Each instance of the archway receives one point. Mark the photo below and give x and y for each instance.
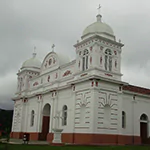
(45, 121)
(144, 128)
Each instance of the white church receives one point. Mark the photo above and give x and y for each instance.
(85, 98)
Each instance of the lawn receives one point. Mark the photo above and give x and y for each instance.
(34, 147)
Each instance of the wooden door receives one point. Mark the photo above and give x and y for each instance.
(45, 128)
(143, 128)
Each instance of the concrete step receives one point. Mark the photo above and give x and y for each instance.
(20, 141)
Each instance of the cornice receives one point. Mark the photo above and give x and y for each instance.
(136, 94)
(102, 38)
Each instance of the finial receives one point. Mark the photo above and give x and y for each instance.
(99, 9)
(53, 46)
(99, 16)
(119, 40)
(77, 41)
(34, 52)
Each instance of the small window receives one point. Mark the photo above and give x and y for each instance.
(50, 61)
(144, 117)
(123, 119)
(85, 60)
(64, 115)
(108, 60)
(32, 118)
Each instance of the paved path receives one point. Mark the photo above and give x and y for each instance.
(20, 141)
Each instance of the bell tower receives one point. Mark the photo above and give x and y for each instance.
(98, 50)
(30, 69)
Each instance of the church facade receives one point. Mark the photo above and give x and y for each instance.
(86, 97)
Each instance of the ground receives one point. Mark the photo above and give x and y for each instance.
(34, 147)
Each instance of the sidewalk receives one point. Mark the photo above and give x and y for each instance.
(20, 141)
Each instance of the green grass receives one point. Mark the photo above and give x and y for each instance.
(35, 147)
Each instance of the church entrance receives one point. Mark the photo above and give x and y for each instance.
(144, 128)
(45, 122)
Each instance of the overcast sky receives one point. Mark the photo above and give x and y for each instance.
(28, 23)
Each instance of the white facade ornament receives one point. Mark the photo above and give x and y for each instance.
(99, 9)
(56, 129)
(53, 46)
(34, 52)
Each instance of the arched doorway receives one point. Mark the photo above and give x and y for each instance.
(45, 122)
(144, 128)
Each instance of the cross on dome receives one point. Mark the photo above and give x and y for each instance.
(99, 16)
(34, 52)
(53, 46)
(99, 8)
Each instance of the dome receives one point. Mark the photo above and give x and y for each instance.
(32, 63)
(98, 28)
(63, 59)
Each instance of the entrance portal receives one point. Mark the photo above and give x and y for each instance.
(45, 122)
(144, 128)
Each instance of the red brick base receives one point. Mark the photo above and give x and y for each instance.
(95, 139)
(16, 135)
(34, 136)
(86, 139)
(19, 135)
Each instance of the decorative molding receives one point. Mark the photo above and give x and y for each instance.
(82, 75)
(107, 74)
(56, 75)
(73, 88)
(91, 48)
(79, 64)
(66, 73)
(54, 93)
(48, 78)
(35, 83)
(91, 60)
(115, 63)
(81, 127)
(106, 128)
(101, 60)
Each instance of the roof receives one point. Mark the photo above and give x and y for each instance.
(32, 63)
(99, 28)
(136, 89)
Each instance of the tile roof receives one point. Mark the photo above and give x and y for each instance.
(136, 89)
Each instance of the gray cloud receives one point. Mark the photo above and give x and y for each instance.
(40, 23)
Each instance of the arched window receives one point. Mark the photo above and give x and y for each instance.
(123, 119)
(108, 60)
(64, 115)
(144, 117)
(50, 61)
(85, 60)
(32, 118)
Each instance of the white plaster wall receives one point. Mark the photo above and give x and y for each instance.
(106, 94)
(84, 108)
(134, 109)
(66, 97)
(28, 107)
